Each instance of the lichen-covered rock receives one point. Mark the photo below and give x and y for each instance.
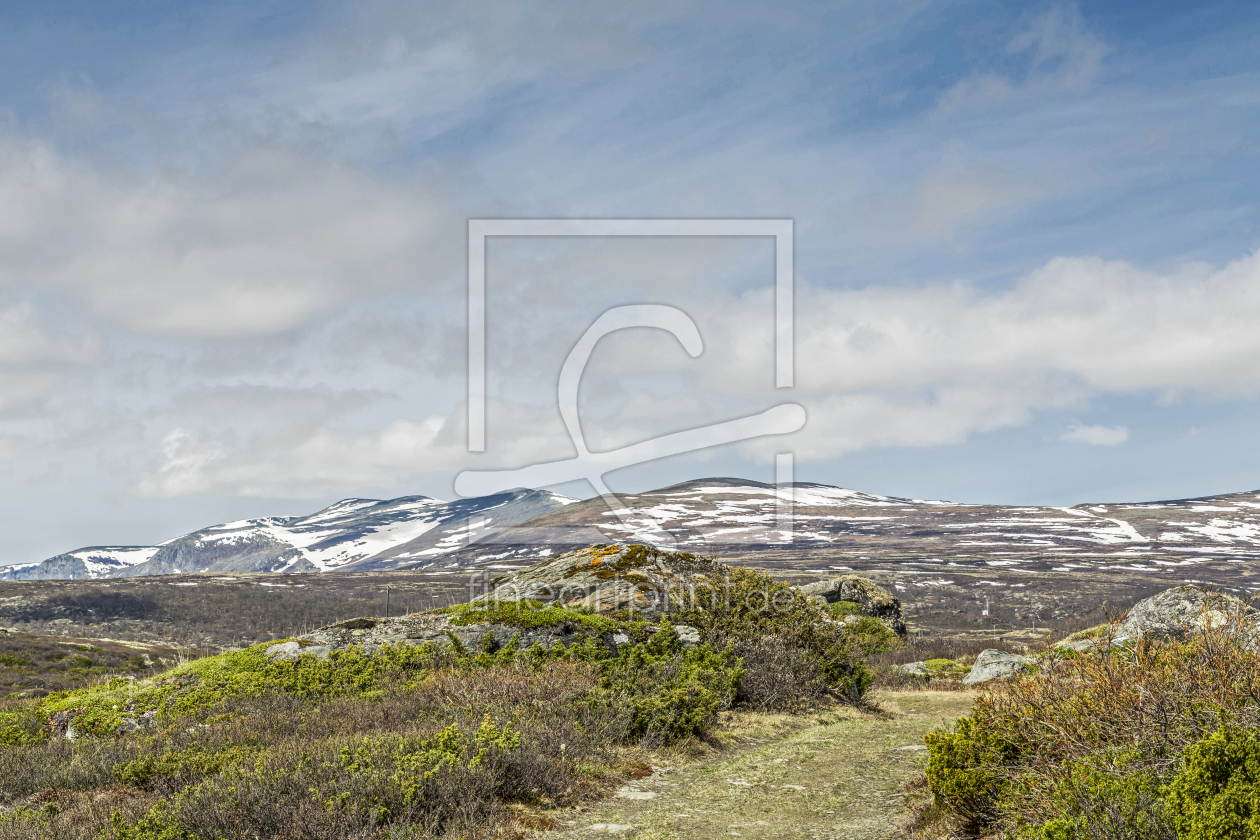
(608, 579)
(913, 669)
(875, 601)
(1176, 612)
(687, 635)
(997, 665)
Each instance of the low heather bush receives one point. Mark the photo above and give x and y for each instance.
(1087, 745)
(747, 606)
(778, 675)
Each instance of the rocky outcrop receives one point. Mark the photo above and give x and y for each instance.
(604, 579)
(876, 601)
(609, 578)
(371, 634)
(997, 665)
(1080, 645)
(1175, 613)
(374, 633)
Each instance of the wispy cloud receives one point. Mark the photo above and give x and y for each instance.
(1058, 53)
(1095, 435)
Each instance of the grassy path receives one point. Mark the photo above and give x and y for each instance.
(838, 775)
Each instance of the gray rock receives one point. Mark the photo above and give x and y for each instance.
(135, 724)
(687, 634)
(913, 669)
(1079, 645)
(285, 650)
(997, 665)
(876, 601)
(1174, 613)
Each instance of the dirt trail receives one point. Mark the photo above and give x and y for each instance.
(835, 777)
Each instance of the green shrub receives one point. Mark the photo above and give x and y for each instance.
(197, 688)
(963, 771)
(672, 691)
(1105, 800)
(748, 605)
(946, 669)
(1216, 796)
(840, 609)
(22, 727)
(1096, 632)
(870, 636)
(340, 788)
(194, 762)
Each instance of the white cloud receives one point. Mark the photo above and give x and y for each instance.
(1095, 435)
(1108, 325)
(259, 246)
(877, 367)
(34, 357)
(327, 461)
(929, 365)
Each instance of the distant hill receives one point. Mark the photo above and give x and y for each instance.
(352, 535)
(732, 518)
(736, 518)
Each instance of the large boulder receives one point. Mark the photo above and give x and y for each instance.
(610, 578)
(875, 601)
(994, 664)
(1177, 612)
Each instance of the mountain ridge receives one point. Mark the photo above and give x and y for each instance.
(349, 535)
(731, 517)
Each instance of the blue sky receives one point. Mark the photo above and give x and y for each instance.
(232, 247)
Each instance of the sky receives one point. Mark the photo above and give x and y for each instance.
(233, 243)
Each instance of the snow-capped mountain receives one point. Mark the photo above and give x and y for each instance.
(353, 534)
(735, 518)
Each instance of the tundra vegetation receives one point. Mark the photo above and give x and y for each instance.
(1126, 737)
(34, 665)
(428, 740)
